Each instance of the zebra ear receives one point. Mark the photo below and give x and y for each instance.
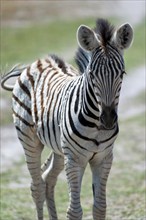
(123, 36)
(86, 38)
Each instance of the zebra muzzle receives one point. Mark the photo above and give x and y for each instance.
(108, 118)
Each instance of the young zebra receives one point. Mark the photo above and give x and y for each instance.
(74, 113)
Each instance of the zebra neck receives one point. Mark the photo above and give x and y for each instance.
(90, 105)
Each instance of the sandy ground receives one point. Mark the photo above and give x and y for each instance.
(133, 84)
(11, 149)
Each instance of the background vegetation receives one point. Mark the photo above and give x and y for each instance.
(58, 37)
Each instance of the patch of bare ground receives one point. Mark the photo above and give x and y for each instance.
(21, 13)
(133, 84)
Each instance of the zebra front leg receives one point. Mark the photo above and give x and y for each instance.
(100, 174)
(74, 173)
(33, 149)
(50, 177)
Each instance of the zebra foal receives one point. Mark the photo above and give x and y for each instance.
(75, 113)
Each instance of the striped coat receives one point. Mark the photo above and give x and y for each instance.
(74, 113)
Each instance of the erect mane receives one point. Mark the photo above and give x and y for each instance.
(104, 30)
(60, 62)
(82, 59)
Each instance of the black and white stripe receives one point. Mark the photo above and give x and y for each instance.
(75, 114)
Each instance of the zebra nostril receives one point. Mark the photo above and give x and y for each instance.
(103, 117)
(113, 115)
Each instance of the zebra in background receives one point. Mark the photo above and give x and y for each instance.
(73, 112)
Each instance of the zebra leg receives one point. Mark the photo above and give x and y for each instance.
(46, 164)
(50, 177)
(100, 174)
(74, 172)
(33, 149)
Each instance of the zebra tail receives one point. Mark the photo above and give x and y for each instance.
(14, 72)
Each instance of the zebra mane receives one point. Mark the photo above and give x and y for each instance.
(104, 30)
(82, 59)
(60, 62)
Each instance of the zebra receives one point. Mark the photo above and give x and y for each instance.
(75, 113)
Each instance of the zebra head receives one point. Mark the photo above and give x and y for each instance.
(101, 58)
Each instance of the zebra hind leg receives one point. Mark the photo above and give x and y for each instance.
(33, 149)
(55, 166)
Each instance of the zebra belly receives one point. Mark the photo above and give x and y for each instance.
(49, 135)
(83, 150)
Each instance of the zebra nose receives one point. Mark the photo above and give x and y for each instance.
(108, 118)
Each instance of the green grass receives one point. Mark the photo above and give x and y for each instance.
(125, 188)
(23, 45)
(136, 55)
(28, 43)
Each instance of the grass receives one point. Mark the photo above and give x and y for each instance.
(28, 43)
(136, 54)
(140, 98)
(125, 189)
(127, 180)
(23, 45)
